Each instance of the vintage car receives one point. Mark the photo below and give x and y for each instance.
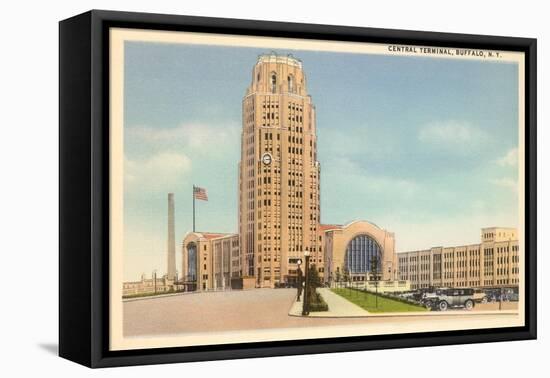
(442, 299)
(497, 295)
(480, 296)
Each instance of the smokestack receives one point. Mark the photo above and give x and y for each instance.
(171, 239)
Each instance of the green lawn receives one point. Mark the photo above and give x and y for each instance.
(368, 301)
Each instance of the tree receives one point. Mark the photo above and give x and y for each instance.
(345, 278)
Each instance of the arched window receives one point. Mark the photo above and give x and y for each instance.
(290, 80)
(360, 253)
(273, 82)
(191, 262)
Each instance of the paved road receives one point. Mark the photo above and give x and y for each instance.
(496, 306)
(227, 311)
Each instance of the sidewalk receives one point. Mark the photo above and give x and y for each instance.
(339, 307)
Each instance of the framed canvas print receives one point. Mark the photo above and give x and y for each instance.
(234, 188)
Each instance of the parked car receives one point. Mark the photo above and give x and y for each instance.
(442, 299)
(480, 296)
(513, 297)
(420, 293)
(510, 294)
(409, 295)
(495, 295)
(428, 297)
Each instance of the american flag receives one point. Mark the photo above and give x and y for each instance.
(200, 193)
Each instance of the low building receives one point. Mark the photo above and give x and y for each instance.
(389, 286)
(349, 251)
(492, 263)
(148, 286)
(211, 261)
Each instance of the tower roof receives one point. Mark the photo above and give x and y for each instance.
(273, 57)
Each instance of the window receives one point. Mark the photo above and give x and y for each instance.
(273, 82)
(191, 262)
(360, 252)
(290, 80)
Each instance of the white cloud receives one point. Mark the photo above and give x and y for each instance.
(452, 133)
(346, 172)
(506, 182)
(510, 159)
(160, 172)
(158, 159)
(193, 138)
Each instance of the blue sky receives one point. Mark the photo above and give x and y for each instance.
(424, 147)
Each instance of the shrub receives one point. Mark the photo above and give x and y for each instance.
(319, 304)
(315, 301)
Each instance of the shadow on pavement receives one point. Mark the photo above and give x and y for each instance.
(52, 348)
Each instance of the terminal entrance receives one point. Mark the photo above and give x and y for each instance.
(363, 259)
(190, 277)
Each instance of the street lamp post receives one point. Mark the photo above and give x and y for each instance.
(299, 280)
(305, 307)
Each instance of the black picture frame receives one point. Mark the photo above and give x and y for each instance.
(84, 188)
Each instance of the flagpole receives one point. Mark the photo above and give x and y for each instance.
(193, 208)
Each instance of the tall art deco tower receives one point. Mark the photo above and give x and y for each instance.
(279, 192)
